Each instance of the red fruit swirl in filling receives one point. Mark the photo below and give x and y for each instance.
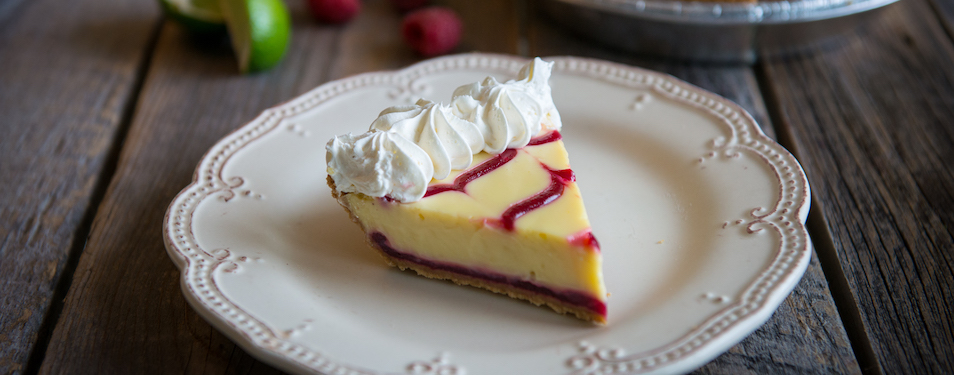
(465, 178)
(558, 181)
(584, 238)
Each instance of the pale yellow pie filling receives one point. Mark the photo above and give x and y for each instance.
(462, 228)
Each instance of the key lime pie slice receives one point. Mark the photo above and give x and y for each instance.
(478, 192)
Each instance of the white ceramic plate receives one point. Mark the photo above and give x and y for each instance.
(700, 217)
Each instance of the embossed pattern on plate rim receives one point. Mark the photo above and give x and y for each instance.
(757, 303)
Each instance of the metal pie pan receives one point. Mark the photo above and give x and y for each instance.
(712, 31)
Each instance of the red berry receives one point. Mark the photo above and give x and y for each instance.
(404, 6)
(334, 11)
(432, 31)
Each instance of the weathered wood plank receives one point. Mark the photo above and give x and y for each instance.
(871, 122)
(945, 10)
(125, 312)
(374, 42)
(736, 83)
(489, 26)
(805, 335)
(69, 71)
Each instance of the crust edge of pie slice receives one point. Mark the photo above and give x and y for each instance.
(512, 223)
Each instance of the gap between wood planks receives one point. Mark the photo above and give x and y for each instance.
(35, 360)
(940, 8)
(817, 227)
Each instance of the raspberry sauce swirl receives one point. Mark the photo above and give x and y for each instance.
(558, 181)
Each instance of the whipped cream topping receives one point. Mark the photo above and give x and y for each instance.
(510, 113)
(407, 146)
(448, 140)
(379, 164)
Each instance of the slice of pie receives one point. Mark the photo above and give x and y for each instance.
(510, 221)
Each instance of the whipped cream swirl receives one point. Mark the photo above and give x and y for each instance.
(379, 164)
(510, 113)
(448, 140)
(407, 146)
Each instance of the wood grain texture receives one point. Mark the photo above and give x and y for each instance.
(125, 312)
(945, 11)
(67, 74)
(805, 335)
(871, 122)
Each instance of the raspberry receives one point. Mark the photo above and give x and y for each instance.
(432, 31)
(404, 6)
(334, 11)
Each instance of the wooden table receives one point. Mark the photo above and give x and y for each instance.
(106, 107)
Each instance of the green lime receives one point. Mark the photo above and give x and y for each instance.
(260, 31)
(199, 16)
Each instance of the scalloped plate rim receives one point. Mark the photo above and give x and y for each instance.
(268, 350)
